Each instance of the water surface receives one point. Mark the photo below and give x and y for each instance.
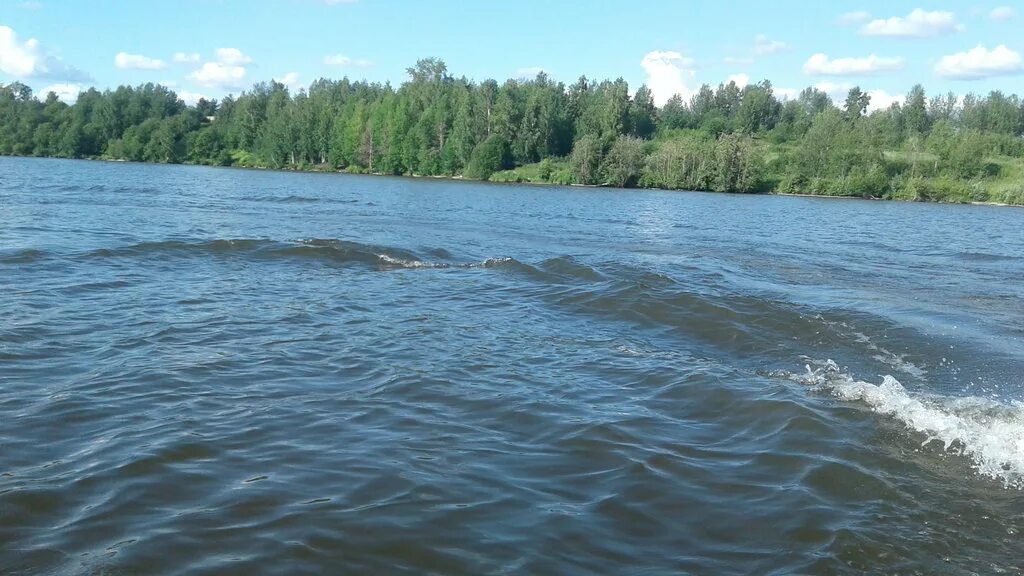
(215, 371)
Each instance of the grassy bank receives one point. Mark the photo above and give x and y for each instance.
(1005, 185)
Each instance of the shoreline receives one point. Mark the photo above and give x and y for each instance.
(460, 178)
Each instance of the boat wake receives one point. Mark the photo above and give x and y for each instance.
(989, 433)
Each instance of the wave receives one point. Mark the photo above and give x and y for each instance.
(326, 250)
(568, 266)
(24, 256)
(100, 189)
(283, 199)
(985, 257)
(178, 246)
(553, 270)
(989, 433)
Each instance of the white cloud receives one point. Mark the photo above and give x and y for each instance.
(837, 92)
(217, 75)
(18, 59)
(821, 65)
(291, 80)
(186, 57)
(882, 100)
(67, 93)
(226, 71)
(667, 74)
(337, 2)
(342, 60)
(764, 46)
(1001, 14)
(191, 98)
(30, 5)
(917, 24)
(127, 61)
(979, 62)
(27, 60)
(858, 17)
(740, 79)
(786, 93)
(232, 57)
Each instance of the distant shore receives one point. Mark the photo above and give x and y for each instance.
(461, 178)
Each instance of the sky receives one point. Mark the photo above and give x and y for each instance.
(210, 48)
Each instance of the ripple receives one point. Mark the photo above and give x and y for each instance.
(218, 374)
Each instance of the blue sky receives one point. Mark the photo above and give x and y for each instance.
(215, 47)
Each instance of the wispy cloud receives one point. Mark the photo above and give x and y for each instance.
(186, 57)
(918, 24)
(1001, 14)
(343, 60)
(764, 45)
(126, 61)
(821, 65)
(851, 18)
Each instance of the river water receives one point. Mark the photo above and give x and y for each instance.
(218, 371)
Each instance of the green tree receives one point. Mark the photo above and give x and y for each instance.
(490, 156)
(624, 163)
(856, 103)
(587, 154)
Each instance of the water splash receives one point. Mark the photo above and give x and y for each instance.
(990, 433)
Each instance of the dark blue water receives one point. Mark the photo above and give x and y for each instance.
(213, 371)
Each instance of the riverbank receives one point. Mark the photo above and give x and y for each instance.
(527, 175)
(531, 174)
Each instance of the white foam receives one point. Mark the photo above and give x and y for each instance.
(990, 433)
(392, 261)
(409, 263)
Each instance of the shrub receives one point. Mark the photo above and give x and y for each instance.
(1013, 195)
(545, 170)
(624, 162)
(585, 159)
(489, 156)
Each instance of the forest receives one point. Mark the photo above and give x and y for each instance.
(726, 138)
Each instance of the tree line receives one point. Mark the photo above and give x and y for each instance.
(729, 138)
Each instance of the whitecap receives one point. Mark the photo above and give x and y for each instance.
(988, 432)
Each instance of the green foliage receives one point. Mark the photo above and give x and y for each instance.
(739, 165)
(687, 162)
(509, 176)
(585, 160)
(546, 169)
(624, 162)
(488, 157)
(724, 138)
(1010, 196)
(941, 189)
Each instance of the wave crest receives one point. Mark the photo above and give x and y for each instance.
(990, 433)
